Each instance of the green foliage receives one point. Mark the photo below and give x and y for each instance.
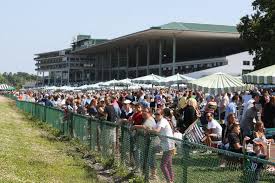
(258, 30)
(17, 79)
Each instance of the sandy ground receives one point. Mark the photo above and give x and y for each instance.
(4, 99)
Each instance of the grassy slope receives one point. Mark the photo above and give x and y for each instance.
(26, 156)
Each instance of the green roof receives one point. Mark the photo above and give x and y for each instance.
(197, 27)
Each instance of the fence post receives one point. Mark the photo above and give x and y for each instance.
(70, 124)
(45, 114)
(185, 158)
(146, 157)
(251, 169)
(90, 132)
(122, 149)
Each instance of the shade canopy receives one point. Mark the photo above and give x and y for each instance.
(109, 83)
(265, 76)
(95, 86)
(5, 87)
(149, 79)
(217, 83)
(122, 82)
(177, 79)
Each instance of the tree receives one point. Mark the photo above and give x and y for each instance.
(2, 79)
(17, 79)
(258, 32)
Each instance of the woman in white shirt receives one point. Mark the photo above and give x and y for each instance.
(168, 145)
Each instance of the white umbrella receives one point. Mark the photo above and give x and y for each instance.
(83, 87)
(149, 79)
(109, 83)
(67, 88)
(96, 85)
(177, 79)
(51, 88)
(217, 83)
(122, 82)
(4, 86)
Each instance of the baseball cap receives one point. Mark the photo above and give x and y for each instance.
(127, 101)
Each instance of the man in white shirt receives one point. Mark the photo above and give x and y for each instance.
(214, 129)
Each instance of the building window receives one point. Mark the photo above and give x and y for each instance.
(246, 71)
(246, 62)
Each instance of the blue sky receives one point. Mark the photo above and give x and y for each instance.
(35, 26)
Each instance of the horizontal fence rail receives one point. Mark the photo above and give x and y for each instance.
(141, 151)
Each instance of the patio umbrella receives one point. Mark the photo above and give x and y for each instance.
(177, 79)
(217, 83)
(5, 87)
(149, 79)
(122, 82)
(108, 83)
(265, 76)
(95, 86)
(67, 88)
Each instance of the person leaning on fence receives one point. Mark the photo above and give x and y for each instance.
(148, 124)
(127, 110)
(234, 140)
(134, 120)
(168, 145)
(91, 108)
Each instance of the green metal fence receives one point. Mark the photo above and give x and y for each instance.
(11, 96)
(141, 151)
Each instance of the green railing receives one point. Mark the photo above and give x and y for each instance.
(11, 96)
(139, 150)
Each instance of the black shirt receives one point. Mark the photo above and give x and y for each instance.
(111, 113)
(234, 138)
(124, 115)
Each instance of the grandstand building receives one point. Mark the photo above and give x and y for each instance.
(164, 50)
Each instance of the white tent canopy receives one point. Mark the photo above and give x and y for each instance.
(149, 79)
(122, 82)
(265, 76)
(177, 79)
(4, 86)
(96, 85)
(217, 83)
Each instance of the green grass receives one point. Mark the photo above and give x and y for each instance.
(27, 156)
(204, 168)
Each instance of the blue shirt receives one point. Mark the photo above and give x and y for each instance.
(231, 108)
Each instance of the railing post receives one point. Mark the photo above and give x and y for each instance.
(70, 124)
(45, 113)
(146, 160)
(98, 128)
(90, 132)
(122, 149)
(185, 158)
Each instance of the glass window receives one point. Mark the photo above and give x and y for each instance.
(246, 62)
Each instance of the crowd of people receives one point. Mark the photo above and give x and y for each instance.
(233, 119)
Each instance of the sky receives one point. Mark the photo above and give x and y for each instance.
(35, 26)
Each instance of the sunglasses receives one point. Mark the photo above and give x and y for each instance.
(156, 114)
(208, 116)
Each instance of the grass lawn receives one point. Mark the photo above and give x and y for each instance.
(205, 168)
(27, 156)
